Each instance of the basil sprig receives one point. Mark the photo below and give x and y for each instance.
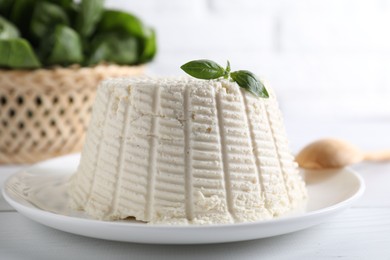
(207, 69)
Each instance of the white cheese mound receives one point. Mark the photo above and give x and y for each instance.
(185, 151)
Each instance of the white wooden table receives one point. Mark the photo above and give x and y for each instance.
(361, 232)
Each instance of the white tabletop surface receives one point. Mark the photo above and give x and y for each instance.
(361, 232)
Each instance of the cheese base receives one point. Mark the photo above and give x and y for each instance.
(185, 151)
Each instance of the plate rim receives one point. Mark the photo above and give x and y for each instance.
(30, 210)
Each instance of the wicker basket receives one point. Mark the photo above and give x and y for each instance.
(45, 112)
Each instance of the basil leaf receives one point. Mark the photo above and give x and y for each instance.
(7, 29)
(149, 46)
(113, 20)
(114, 48)
(45, 16)
(17, 54)
(250, 82)
(203, 69)
(63, 47)
(128, 24)
(89, 15)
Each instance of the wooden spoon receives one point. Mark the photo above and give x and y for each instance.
(334, 153)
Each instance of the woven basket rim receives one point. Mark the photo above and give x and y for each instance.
(71, 68)
(48, 77)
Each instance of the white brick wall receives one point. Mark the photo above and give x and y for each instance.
(323, 57)
(336, 26)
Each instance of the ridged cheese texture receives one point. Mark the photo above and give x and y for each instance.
(185, 151)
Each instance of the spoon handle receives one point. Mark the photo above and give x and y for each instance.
(378, 156)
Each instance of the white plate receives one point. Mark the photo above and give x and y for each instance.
(330, 192)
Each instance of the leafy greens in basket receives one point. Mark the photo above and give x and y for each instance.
(44, 33)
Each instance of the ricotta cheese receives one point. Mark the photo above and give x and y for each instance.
(185, 151)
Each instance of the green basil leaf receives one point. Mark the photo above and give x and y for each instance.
(17, 54)
(7, 29)
(149, 46)
(45, 16)
(114, 48)
(89, 15)
(113, 20)
(250, 82)
(203, 69)
(63, 47)
(5, 7)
